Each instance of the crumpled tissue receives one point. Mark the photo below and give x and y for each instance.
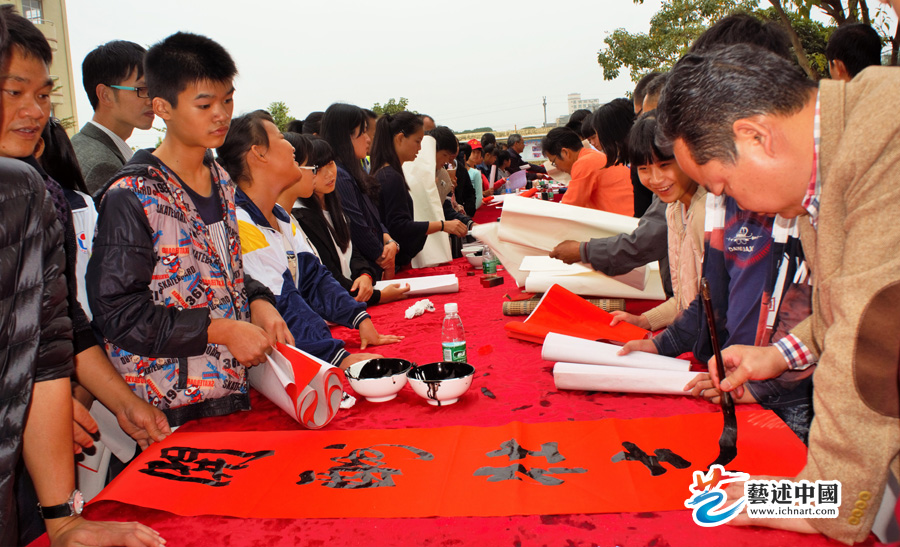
(419, 308)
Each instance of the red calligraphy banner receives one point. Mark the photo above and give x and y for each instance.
(516, 469)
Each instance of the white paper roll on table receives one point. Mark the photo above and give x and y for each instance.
(559, 347)
(621, 379)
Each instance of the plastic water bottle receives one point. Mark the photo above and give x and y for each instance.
(488, 261)
(453, 336)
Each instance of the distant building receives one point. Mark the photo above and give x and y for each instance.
(577, 103)
(50, 17)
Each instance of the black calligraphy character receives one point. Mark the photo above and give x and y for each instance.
(361, 468)
(179, 463)
(633, 453)
(514, 451)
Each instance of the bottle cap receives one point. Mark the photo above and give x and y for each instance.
(451, 308)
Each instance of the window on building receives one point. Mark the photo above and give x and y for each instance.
(33, 10)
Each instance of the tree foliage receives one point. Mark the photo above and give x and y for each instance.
(672, 29)
(391, 107)
(281, 113)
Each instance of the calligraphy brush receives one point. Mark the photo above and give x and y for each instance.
(728, 440)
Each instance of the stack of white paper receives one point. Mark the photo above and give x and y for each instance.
(432, 284)
(542, 272)
(595, 366)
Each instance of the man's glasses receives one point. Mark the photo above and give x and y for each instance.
(313, 168)
(142, 92)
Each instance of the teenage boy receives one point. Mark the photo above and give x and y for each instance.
(165, 281)
(747, 123)
(851, 48)
(35, 330)
(113, 76)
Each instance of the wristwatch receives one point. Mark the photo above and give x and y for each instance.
(72, 506)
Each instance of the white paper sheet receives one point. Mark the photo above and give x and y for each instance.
(427, 205)
(545, 224)
(510, 254)
(598, 284)
(620, 379)
(557, 174)
(517, 180)
(432, 284)
(559, 347)
(636, 278)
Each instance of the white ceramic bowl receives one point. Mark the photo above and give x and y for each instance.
(441, 383)
(476, 261)
(378, 380)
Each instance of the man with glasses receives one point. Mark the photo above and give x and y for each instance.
(113, 76)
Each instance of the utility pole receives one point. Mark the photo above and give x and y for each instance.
(545, 111)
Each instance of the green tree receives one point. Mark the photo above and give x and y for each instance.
(281, 113)
(672, 29)
(391, 107)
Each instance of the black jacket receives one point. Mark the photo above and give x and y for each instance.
(317, 233)
(35, 330)
(398, 216)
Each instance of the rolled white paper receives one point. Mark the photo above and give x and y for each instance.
(620, 379)
(559, 347)
(431, 284)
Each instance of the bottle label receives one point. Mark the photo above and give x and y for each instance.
(489, 266)
(455, 351)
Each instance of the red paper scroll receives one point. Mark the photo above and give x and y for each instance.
(547, 468)
(564, 312)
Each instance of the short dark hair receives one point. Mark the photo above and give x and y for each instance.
(513, 139)
(295, 126)
(423, 116)
(655, 86)
(25, 36)
(370, 114)
(110, 64)
(612, 122)
(245, 131)
(488, 149)
(183, 59)
(857, 45)
(644, 147)
(638, 94)
(587, 127)
(301, 146)
(488, 138)
(58, 158)
(312, 125)
(707, 93)
(559, 138)
(576, 120)
(465, 150)
(502, 157)
(445, 139)
(742, 28)
(388, 126)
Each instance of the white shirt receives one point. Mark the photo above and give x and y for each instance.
(123, 147)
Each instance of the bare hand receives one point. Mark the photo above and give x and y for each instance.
(84, 428)
(363, 284)
(744, 363)
(356, 358)
(569, 251)
(264, 315)
(390, 251)
(78, 532)
(248, 343)
(456, 228)
(393, 292)
(638, 320)
(368, 335)
(647, 346)
(143, 422)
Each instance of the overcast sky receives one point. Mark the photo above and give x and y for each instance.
(466, 63)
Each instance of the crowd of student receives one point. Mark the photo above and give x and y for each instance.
(154, 278)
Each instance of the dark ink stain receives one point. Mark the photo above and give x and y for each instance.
(184, 464)
(635, 454)
(513, 451)
(488, 393)
(545, 403)
(307, 477)
(647, 515)
(521, 408)
(336, 447)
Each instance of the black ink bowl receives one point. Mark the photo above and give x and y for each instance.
(441, 383)
(378, 380)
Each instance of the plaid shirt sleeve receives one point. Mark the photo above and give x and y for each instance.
(795, 353)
